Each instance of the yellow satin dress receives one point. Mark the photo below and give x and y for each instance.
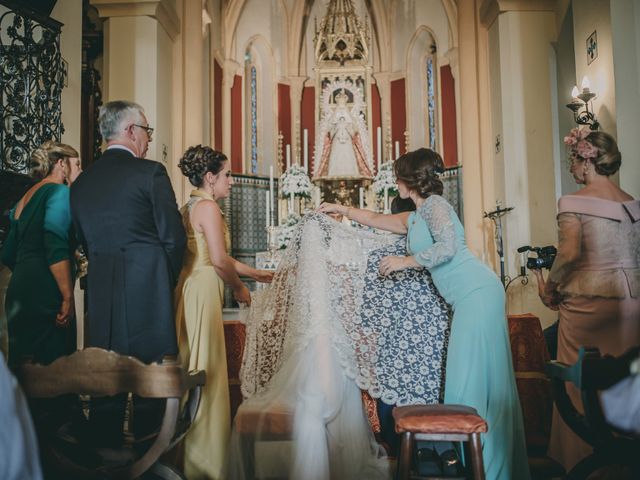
(199, 300)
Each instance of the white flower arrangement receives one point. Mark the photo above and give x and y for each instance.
(385, 178)
(296, 182)
(285, 230)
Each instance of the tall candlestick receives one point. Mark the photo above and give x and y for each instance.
(305, 149)
(288, 156)
(379, 133)
(386, 200)
(361, 198)
(317, 195)
(271, 199)
(268, 212)
(397, 149)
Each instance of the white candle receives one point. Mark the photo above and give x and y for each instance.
(379, 133)
(268, 212)
(290, 204)
(386, 199)
(361, 198)
(397, 149)
(317, 196)
(288, 156)
(271, 203)
(305, 150)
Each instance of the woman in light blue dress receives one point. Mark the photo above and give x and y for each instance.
(479, 369)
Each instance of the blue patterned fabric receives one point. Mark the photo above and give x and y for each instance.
(410, 322)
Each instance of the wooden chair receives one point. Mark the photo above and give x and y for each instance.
(593, 373)
(530, 355)
(100, 373)
(448, 423)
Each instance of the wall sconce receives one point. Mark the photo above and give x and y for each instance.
(583, 100)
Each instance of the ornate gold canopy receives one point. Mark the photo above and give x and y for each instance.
(342, 38)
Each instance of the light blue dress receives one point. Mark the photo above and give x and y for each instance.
(479, 370)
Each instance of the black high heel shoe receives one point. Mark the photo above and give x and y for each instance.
(451, 464)
(428, 462)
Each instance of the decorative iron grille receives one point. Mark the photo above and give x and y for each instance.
(32, 76)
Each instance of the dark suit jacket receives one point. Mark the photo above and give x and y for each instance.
(126, 216)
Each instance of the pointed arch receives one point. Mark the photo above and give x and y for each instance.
(231, 17)
(380, 23)
(261, 58)
(422, 121)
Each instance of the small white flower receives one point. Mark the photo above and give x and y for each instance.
(385, 178)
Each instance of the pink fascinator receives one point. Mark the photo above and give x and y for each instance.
(578, 143)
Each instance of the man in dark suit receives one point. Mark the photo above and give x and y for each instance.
(125, 213)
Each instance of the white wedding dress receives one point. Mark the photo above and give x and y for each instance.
(310, 349)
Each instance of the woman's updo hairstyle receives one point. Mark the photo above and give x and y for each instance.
(609, 158)
(419, 171)
(44, 158)
(198, 160)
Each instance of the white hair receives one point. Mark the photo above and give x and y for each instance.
(114, 115)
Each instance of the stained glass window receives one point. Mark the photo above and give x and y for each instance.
(254, 121)
(431, 104)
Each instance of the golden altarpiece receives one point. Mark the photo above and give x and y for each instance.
(343, 152)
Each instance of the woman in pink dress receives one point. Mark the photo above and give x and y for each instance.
(595, 279)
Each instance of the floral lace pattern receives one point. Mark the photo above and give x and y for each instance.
(389, 334)
(438, 215)
(401, 334)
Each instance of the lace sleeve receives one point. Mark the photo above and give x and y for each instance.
(437, 213)
(569, 246)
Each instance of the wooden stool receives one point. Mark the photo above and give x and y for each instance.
(452, 423)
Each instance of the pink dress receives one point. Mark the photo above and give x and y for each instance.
(598, 275)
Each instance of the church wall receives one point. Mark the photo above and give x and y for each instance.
(144, 75)
(565, 80)
(70, 14)
(522, 121)
(590, 16)
(625, 25)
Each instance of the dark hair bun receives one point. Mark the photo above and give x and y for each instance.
(419, 171)
(198, 160)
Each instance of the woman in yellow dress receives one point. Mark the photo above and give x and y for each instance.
(199, 296)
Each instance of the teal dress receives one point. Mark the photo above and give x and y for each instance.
(479, 370)
(38, 238)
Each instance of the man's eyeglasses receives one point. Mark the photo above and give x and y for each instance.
(148, 129)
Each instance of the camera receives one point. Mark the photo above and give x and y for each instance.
(545, 256)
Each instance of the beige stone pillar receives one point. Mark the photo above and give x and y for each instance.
(470, 141)
(625, 25)
(138, 62)
(192, 50)
(229, 70)
(522, 129)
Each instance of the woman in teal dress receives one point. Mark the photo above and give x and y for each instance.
(38, 250)
(479, 371)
